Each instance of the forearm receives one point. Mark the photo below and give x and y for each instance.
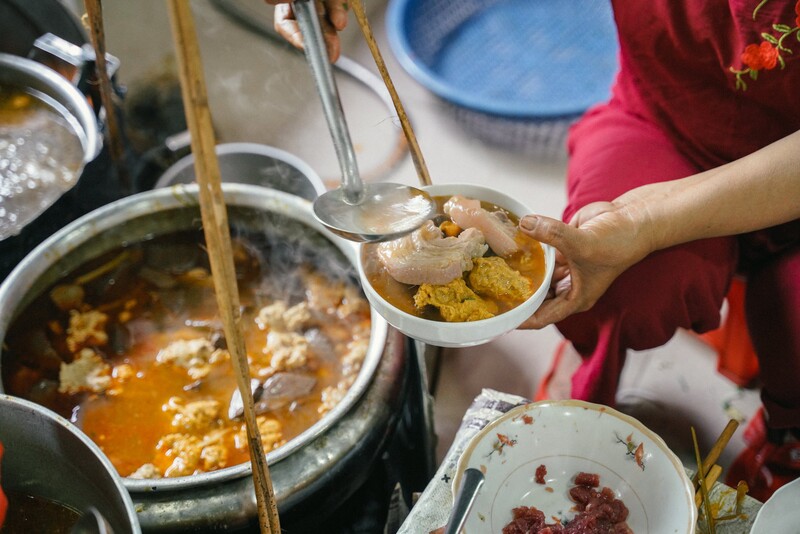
(757, 191)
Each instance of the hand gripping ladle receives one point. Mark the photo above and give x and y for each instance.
(358, 211)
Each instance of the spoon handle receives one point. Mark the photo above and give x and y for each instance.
(316, 54)
(471, 483)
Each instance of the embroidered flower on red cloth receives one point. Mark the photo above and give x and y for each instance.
(758, 57)
(769, 53)
(797, 12)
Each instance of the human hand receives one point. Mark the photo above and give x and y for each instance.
(332, 16)
(601, 241)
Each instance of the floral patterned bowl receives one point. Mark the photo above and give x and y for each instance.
(568, 437)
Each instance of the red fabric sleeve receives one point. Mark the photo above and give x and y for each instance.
(3, 500)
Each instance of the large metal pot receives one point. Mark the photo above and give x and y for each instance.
(333, 453)
(48, 457)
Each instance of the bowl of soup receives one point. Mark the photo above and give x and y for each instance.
(465, 277)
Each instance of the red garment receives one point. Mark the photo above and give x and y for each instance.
(683, 102)
(3, 499)
(676, 58)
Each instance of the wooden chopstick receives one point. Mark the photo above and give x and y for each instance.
(215, 226)
(716, 451)
(703, 487)
(710, 479)
(416, 153)
(94, 12)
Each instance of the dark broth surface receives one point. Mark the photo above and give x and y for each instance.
(27, 514)
(529, 261)
(160, 291)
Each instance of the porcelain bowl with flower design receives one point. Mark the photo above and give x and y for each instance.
(568, 437)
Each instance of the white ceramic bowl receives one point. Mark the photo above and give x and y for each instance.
(781, 513)
(444, 334)
(568, 437)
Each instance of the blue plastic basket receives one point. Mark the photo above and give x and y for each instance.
(517, 73)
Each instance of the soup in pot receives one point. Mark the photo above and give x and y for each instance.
(130, 348)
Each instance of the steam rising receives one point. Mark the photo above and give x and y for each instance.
(283, 246)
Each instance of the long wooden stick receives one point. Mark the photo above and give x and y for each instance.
(703, 487)
(711, 478)
(416, 153)
(716, 450)
(94, 12)
(215, 226)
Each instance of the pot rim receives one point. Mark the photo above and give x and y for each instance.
(174, 171)
(83, 229)
(70, 98)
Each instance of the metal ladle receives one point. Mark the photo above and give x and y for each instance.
(356, 211)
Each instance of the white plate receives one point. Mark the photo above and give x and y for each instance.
(568, 437)
(781, 513)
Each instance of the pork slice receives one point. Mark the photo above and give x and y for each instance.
(496, 227)
(281, 389)
(277, 391)
(427, 257)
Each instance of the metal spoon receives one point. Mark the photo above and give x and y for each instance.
(470, 484)
(356, 211)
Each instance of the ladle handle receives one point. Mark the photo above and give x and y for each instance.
(306, 14)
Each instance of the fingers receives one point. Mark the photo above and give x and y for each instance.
(551, 231)
(333, 17)
(551, 311)
(589, 212)
(337, 13)
(560, 271)
(563, 286)
(286, 25)
(332, 42)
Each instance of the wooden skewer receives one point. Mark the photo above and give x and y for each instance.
(716, 450)
(703, 486)
(94, 12)
(416, 153)
(215, 226)
(711, 479)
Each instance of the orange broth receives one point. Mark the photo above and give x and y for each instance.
(128, 424)
(529, 261)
